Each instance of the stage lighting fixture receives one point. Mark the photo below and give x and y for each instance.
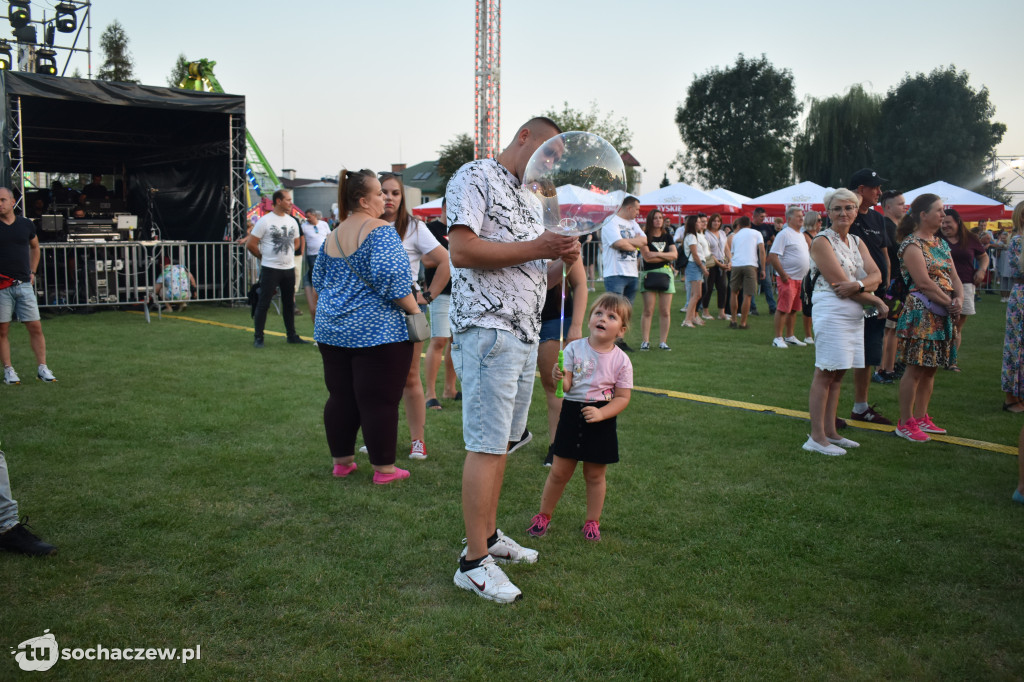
(46, 61)
(5, 56)
(26, 34)
(66, 20)
(18, 13)
(48, 34)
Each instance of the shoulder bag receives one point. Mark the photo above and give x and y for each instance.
(416, 324)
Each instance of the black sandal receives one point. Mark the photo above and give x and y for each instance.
(434, 404)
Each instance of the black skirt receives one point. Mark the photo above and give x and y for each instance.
(576, 439)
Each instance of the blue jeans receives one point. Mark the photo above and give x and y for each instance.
(621, 284)
(766, 287)
(496, 370)
(8, 506)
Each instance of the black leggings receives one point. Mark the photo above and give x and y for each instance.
(365, 387)
(715, 280)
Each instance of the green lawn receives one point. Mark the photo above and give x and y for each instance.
(185, 477)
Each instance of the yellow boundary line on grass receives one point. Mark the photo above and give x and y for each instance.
(754, 407)
(693, 397)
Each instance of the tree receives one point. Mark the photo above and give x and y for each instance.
(615, 131)
(179, 72)
(937, 127)
(737, 124)
(118, 64)
(665, 182)
(838, 138)
(453, 155)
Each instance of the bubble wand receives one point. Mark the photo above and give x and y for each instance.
(589, 171)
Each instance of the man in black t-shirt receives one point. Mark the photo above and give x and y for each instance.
(869, 225)
(19, 259)
(893, 210)
(767, 230)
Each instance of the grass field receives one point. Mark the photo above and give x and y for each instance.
(185, 478)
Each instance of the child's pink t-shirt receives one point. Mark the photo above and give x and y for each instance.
(595, 376)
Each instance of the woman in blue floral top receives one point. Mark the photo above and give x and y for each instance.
(363, 281)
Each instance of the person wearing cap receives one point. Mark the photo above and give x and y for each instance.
(869, 226)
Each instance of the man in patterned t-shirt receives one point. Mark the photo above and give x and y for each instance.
(499, 255)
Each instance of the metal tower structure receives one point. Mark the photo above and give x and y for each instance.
(487, 117)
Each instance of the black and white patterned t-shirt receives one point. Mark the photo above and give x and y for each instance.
(488, 199)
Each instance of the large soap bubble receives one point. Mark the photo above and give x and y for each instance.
(578, 180)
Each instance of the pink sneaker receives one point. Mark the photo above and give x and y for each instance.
(539, 525)
(592, 531)
(911, 432)
(343, 470)
(926, 424)
(396, 475)
(418, 450)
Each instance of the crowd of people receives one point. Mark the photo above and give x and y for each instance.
(874, 289)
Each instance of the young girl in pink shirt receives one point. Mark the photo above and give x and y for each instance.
(597, 384)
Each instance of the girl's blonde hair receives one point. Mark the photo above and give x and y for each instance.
(617, 304)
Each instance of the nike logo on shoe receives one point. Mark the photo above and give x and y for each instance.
(479, 586)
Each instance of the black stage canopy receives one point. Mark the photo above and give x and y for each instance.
(174, 147)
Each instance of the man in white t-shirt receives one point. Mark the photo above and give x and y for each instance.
(499, 256)
(273, 240)
(747, 246)
(621, 239)
(314, 233)
(790, 257)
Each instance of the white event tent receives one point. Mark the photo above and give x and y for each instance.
(970, 205)
(681, 199)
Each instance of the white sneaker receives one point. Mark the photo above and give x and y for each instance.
(779, 342)
(814, 446)
(507, 551)
(793, 341)
(489, 581)
(44, 374)
(844, 442)
(10, 376)
(809, 340)
(363, 450)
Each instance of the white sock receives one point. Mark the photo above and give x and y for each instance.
(860, 407)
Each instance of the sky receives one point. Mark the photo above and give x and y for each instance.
(331, 84)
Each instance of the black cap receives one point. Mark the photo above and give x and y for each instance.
(867, 177)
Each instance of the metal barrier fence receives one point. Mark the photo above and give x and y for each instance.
(75, 275)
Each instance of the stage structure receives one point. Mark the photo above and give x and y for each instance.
(487, 69)
(178, 157)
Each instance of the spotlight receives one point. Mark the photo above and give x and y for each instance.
(18, 13)
(66, 20)
(46, 61)
(5, 56)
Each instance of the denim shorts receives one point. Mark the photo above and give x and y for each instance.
(20, 300)
(549, 331)
(440, 327)
(307, 270)
(693, 272)
(497, 374)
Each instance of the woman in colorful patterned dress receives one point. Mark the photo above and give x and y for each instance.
(926, 329)
(1013, 343)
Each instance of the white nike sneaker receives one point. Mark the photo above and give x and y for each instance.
(507, 551)
(43, 373)
(793, 341)
(10, 376)
(489, 581)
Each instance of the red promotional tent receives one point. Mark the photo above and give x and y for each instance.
(807, 195)
(680, 200)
